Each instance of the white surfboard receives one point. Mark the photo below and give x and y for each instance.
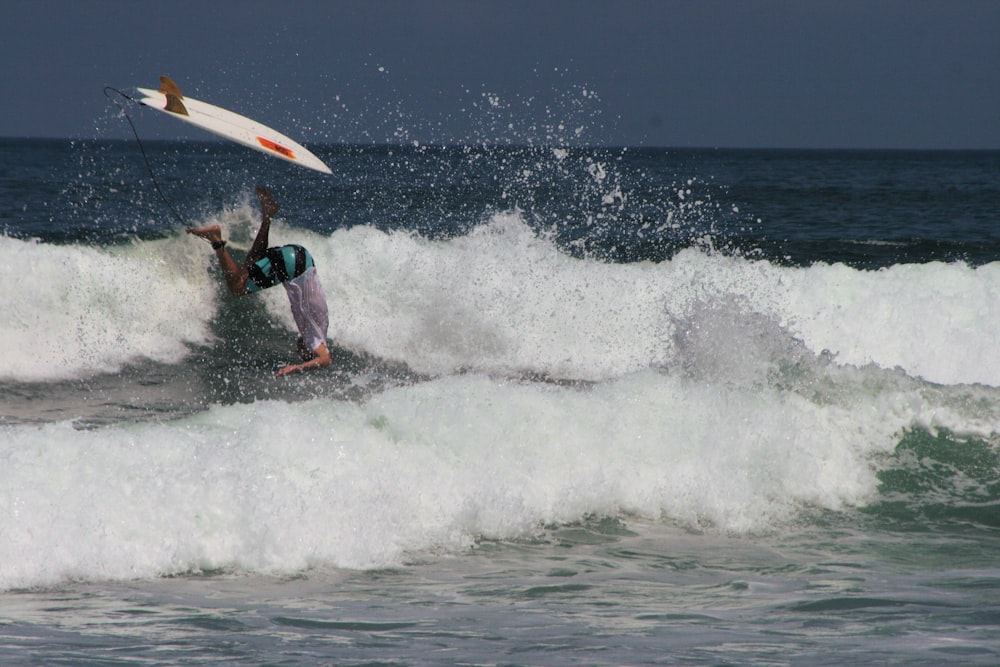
(225, 123)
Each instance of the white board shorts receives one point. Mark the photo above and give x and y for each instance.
(308, 302)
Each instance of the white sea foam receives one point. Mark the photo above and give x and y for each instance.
(504, 300)
(277, 487)
(710, 404)
(500, 300)
(73, 311)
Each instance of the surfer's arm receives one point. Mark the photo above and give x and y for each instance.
(321, 359)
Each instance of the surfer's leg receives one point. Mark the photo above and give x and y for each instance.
(268, 207)
(235, 274)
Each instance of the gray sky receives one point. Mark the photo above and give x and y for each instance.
(749, 73)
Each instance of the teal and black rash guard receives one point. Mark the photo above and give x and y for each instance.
(278, 265)
(292, 267)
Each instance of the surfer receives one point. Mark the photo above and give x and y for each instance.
(290, 265)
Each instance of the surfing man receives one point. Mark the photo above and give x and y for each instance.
(290, 265)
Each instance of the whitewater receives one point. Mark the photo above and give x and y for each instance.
(506, 300)
(585, 406)
(712, 391)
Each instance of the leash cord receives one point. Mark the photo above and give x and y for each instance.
(142, 149)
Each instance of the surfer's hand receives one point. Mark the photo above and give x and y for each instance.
(321, 359)
(286, 370)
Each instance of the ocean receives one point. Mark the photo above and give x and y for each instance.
(588, 406)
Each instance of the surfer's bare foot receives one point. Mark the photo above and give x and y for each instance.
(267, 204)
(212, 233)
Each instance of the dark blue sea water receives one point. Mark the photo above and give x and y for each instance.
(588, 406)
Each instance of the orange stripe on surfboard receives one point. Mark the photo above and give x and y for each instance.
(276, 147)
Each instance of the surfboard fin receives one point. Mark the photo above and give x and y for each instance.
(174, 96)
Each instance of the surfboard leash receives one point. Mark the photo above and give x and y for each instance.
(142, 149)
